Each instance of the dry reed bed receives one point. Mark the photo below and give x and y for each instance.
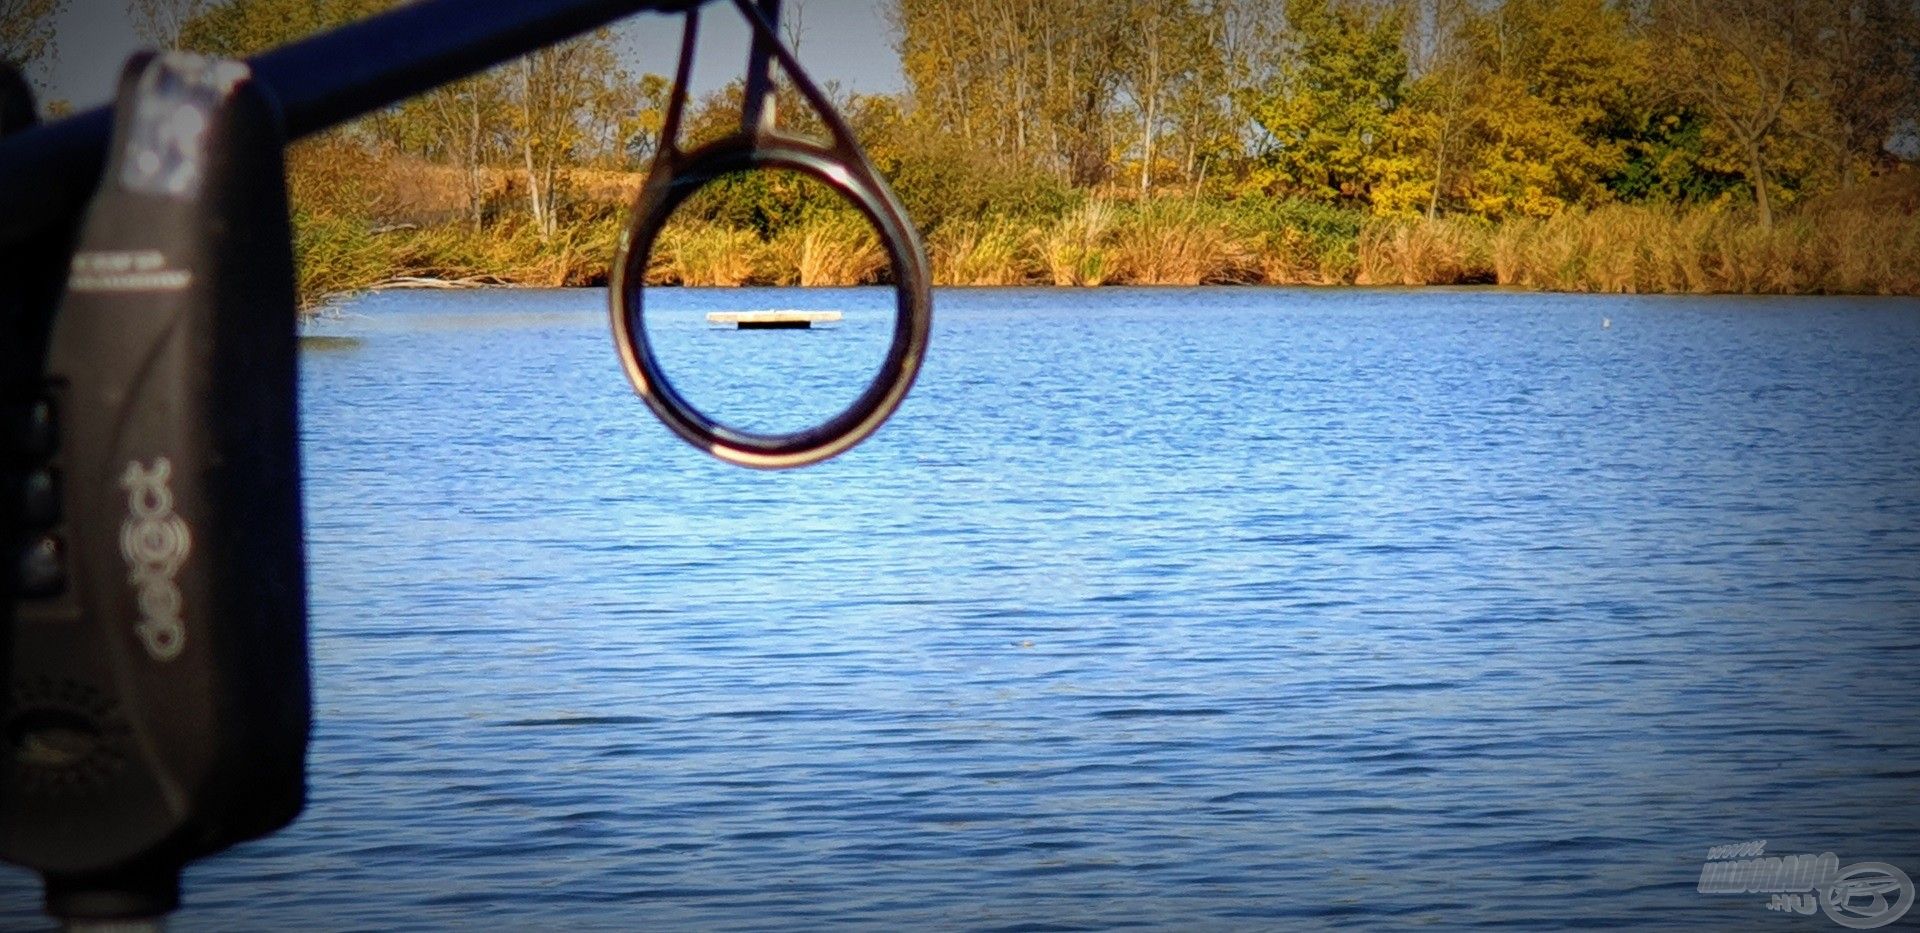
(1851, 248)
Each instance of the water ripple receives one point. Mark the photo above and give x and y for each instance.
(1153, 608)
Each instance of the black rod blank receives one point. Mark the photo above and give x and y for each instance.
(47, 174)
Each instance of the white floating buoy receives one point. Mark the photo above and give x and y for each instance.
(1606, 322)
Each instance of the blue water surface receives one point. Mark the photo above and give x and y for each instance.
(1176, 609)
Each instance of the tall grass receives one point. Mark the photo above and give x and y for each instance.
(1180, 242)
(1625, 249)
(833, 249)
(1298, 242)
(334, 256)
(1424, 252)
(704, 254)
(1628, 249)
(1075, 247)
(983, 253)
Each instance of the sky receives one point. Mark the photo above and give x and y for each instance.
(847, 41)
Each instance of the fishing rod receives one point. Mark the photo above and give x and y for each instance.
(154, 684)
(759, 145)
(48, 173)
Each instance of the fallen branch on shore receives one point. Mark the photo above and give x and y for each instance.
(423, 281)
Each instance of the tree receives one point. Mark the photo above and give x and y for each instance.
(26, 32)
(1036, 81)
(1240, 52)
(638, 115)
(554, 89)
(793, 24)
(1327, 110)
(1430, 133)
(161, 22)
(1171, 54)
(1517, 109)
(1863, 76)
(1567, 67)
(1745, 63)
(464, 120)
(240, 28)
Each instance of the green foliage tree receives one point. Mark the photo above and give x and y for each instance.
(1667, 161)
(1519, 114)
(1329, 109)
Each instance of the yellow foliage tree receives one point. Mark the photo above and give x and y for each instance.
(1518, 118)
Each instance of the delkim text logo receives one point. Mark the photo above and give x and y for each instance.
(155, 542)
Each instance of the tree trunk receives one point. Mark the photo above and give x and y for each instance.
(1760, 199)
(550, 174)
(1439, 174)
(536, 192)
(1151, 113)
(476, 191)
(1146, 156)
(536, 196)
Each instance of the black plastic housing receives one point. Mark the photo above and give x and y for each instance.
(157, 704)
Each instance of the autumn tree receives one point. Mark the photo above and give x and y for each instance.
(556, 92)
(241, 28)
(1430, 134)
(161, 22)
(1862, 79)
(1746, 63)
(1516, 110)
(1327, 110)
(1169, 54)
(1563, 69)
(461, 125)
(26, 31)
(1213, 124)
(635, 114)
(1037, 81)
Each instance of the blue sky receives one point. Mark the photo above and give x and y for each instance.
(841, 40)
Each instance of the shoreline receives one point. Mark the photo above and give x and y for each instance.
(1493, 287)
(420, 284)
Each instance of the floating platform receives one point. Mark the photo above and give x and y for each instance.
(772, 320)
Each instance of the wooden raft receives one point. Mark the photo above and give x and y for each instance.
(772, 320)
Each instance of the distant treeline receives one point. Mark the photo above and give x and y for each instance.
(1596, 144)
(1513, 108)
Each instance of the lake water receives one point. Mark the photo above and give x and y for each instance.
(1158, 608)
